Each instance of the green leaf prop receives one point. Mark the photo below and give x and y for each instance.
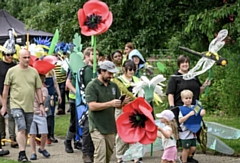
(161, 67)
(54, 42)
(76, 57)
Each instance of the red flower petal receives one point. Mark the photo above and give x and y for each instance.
(96, 7)
(33, 58)
(126, 132)
(108, 22)
(43, 67)
(150, 126)
(149, 137)
(81, 17)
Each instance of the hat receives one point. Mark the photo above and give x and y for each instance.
(109, 66)
(166, 114)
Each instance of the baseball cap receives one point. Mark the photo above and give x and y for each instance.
(109, 66)
(166, 114)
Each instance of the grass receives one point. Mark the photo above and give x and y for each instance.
(3, 160)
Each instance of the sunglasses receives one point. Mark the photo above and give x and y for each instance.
(130, 69)
(9, 55)
(26, 57)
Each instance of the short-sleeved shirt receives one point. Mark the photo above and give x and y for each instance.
(168, 142)
(36, 103)
(102, 120)
(177, 84)
(23, 84)
(186, 133)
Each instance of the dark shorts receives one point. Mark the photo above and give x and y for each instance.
(22, 119)
(187, 143)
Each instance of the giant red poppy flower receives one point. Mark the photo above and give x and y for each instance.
(136, 123)
(43, 67)
(94, 18)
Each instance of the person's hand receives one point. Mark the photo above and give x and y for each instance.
(116, 103)
(191, 113)
(59, 99)
(42, 110)
(126, 100)
(207, 83)
(3, 111)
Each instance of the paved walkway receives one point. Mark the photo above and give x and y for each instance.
(60, 156)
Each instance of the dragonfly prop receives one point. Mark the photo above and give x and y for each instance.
(209, 58)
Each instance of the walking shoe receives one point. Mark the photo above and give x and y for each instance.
(23, 158)
(78, 145)
(44, 152)
(68, 146)
(48, 142)
(53, 140)
(86, 159)
(33, 156)
(191, 159)
(14, 144)
(4, 152)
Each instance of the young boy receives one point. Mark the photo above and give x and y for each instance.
(39, 126)
(188, 116)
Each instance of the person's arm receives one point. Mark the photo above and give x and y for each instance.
(4, 99)
(184, 118)
(171, 99)
(70, 86)
(57, 87)
(166, 133)
(203, 87)
(97, 106)
(203, 112)
(40, 101)
(1, 100)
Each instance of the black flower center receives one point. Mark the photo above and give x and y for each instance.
(137, 119)
(92, 21)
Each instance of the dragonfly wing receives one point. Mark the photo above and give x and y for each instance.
(216, 44)
(216, 144)
(223, 131)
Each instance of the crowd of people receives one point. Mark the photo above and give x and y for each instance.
(24, 103)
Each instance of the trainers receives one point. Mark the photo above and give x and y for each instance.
(78, 145)
(4, 152)
(23, 158)
(44, 152)
(14, 144)
(53, 140)
(192, 160)
(33, 156)
(68, 146)
(87, 159)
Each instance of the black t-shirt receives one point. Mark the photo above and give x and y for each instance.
(177, 84)
(3, 71)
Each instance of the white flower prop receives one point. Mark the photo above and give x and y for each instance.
(150, 90)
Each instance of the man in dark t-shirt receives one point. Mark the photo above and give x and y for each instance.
(6, 64)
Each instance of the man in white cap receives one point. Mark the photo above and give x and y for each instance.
(102, 97)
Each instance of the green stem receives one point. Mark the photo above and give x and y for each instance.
(209, 78)
(94, 44)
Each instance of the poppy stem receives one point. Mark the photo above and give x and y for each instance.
(94, 45)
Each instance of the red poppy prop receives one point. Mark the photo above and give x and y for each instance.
(50, 59)
(43, 67)
(136, 123)
(94, 18)
(33, 58)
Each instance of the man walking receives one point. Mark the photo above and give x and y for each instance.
(5, 64)
(102, 97)
(23, 81)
